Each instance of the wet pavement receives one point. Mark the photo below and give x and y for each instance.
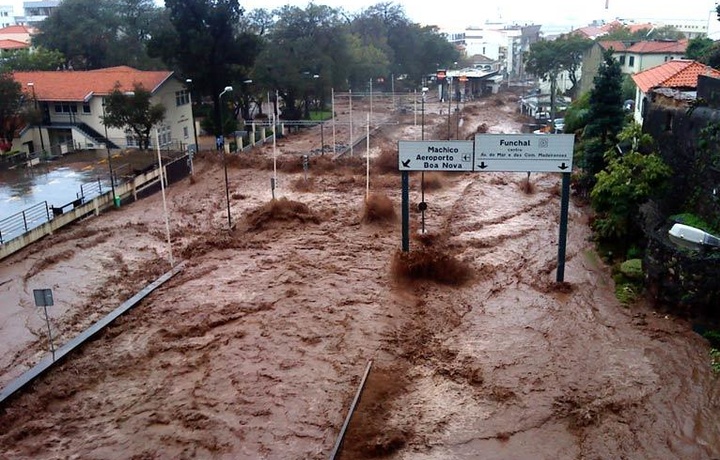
(61, 181)
(57, 182)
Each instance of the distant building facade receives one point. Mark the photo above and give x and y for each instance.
(499, 42)
(633, 57)
(37, 12)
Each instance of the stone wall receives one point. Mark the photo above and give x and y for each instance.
(682, 280)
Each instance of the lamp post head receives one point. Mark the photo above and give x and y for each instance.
(228, 88)
(692, 238)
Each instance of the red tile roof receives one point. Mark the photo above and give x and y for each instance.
(679, 73)
(659, 47)
(616, 45)
(16, 29)
(78, 85)
(609, 27)
(589, 32)
(12, 45)
(647, 46)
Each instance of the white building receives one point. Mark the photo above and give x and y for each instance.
(499, 42)
(71, 104)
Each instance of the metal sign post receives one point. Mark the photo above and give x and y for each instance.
(562, 241)
(44, 298)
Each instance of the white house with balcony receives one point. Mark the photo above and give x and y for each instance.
(71, 104)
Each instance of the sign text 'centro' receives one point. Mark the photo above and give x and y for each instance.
(524, 152)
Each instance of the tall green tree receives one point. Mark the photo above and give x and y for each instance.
(135, 111)
(545, 60)
(82, 30)
(204, 42)
(606, 118)
(606, 102)
(419, 50)
(36, 59)
(307, 53)
(11, 100)
(92, 34)
(698, 47)
(572, 48)
(664, 33)
(548, 58)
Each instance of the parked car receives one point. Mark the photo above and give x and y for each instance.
(559, 125)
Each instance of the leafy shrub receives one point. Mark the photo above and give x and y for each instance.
(632, 269)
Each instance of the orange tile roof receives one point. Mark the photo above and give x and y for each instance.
(589, 32)
(678, 73)
(609, 27)
(12, 45)
(16, 29)
(659, 47)
(81, 85)
(647, 46)
(617, 45)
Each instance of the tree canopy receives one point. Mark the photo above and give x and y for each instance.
(300, 52)
(204, 43)
(133, 111)
(36, 59)
(92, 34)
(11, 100)
(605, 119)
(548, 58)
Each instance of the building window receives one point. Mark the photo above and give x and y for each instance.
(622, 60)
(182, 97)
(631, 62)
(86, 108)
(165, 135)
(668, 121)
(64, 107)
(186, 133)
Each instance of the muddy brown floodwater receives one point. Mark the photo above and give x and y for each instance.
(256, 348)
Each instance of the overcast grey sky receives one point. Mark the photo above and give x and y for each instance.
(458, 15)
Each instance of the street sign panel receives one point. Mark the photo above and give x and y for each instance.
(43, 297)
(435, 155)
(524, 152)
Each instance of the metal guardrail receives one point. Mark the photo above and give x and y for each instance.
(24, 221)
(341, 437)
(48, 362)
(90, 190)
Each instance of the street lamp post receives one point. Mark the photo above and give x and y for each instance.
(109, 157)
(423, 205)
(422, 111)
(449, 105)
(192, 115)
(42, 143)
(227, 187)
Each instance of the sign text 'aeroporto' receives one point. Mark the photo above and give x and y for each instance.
(435, 155)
